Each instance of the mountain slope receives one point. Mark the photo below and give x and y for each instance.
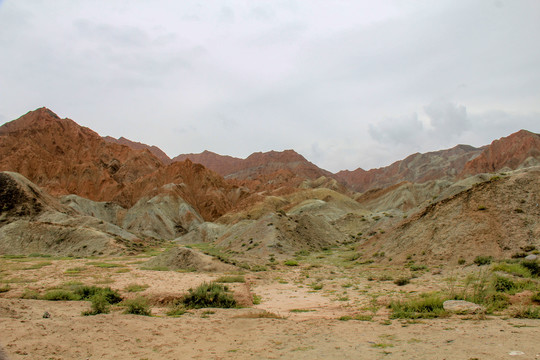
(520, 149)
(416, 168)
(495, 218)
(65, 158)
(154, 150)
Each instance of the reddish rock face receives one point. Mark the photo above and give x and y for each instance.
(65, 158)
(510, 152)
(257, 165)
(415, 168)
(157, 152)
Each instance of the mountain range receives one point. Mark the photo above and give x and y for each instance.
(88, 186)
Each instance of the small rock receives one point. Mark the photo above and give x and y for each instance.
(531, 257)
(463, 307)
(46, 315)
(515, 353)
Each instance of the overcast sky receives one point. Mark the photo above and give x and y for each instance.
(347, 84)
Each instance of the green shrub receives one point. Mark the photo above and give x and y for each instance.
(208, 295)
(426, 307)
(461, 262)
(483, 260)
(137, 306)
(536, 297)
(503, 284)
(86, 292)
(100, 305)
(60, 295)
(4, 288)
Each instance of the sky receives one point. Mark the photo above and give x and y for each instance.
(347, 84)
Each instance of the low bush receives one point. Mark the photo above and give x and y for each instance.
(208, 295)
(100, 305)
(536, 297)
(503, 284)
(4, 288)
(137, 306)
(402, 281)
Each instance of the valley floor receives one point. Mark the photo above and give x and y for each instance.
(311, 304)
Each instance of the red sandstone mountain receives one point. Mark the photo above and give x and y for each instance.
(520, 149)
(65, 158)
(258, 164)
(157, 152)
(414, 168)
(222, 164)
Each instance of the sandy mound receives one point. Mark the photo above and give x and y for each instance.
(181, 258)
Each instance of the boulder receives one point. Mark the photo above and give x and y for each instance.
(463, 307)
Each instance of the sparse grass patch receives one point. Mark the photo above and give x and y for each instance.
(260, 315)
(512, 268)
(156, 268)
(30, 294)
(301, 310)
(38, 265)
(425, 307)
(75, 270)
(104, 264)
(230, 279)
(527, 312)
(136, 287)
(176, 309)
(4, 288)
(291, 263)
(208, 295)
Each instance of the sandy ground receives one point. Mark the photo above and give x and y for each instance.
(312, 330)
